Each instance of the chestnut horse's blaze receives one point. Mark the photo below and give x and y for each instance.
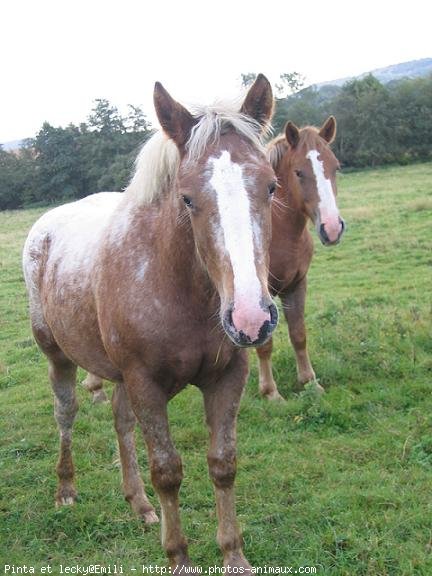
(306, 169)
(129, 286)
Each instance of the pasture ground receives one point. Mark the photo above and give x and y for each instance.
(340, 482)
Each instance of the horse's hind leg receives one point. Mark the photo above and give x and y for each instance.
(62, 373)
(133, 486)
(94, 385)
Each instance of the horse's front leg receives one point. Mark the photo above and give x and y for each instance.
(149, 403)
(221, 402)
(267, 384)
(293, 306)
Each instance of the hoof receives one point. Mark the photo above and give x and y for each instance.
(318, 387)
(99, 397)
(238, 561)
(180, 568)
(65, 497)
(314, 386)
(150, 517)
(143, 509)
(274, 397)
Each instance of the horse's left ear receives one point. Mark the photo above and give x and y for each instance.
(176, 121)
(328, 129)
(259, 102)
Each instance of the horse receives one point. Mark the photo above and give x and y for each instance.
(306, 170)
(160, 286)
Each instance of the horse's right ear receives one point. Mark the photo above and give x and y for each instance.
(176, 121)
(292, 134)
(259, 101)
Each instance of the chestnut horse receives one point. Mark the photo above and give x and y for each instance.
(306, 170)
(162, 286)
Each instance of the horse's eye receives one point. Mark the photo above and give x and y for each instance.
(272, 188)
(187, 201)
(299, 173)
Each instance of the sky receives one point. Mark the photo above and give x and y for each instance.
(59, 56)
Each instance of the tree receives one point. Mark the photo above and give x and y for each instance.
(248, 79)
(136, 120)
(16, 178)
(105, 118)
(290, 83)
(58, 162)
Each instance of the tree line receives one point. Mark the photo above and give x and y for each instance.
(61, 164)
(377, 124)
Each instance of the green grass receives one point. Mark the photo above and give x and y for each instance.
(341, 482)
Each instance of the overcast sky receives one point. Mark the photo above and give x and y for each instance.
(58, 56)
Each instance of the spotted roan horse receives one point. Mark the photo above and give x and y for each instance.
(161, 286)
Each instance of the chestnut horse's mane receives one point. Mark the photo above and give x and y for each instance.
(157, 162)
(276, 149)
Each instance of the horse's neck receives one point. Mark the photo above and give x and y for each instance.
(176, 252)
(287, 211)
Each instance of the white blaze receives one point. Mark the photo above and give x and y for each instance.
(236, 225)
(327, 204)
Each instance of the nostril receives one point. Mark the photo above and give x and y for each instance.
(323, 234)
(273, 315)
(228, 319)
(342, 223)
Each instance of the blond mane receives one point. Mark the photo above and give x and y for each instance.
(158, 160)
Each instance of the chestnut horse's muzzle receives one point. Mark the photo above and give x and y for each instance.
(240, 338)
(330, 239)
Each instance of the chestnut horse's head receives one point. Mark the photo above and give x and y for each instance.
(225, 185)
(313, 166)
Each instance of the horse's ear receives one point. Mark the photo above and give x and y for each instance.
(259, 102)
(176, 121)
(328, 129)
(292, 134)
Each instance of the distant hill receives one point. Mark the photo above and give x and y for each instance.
(412, 69)
(12, 145)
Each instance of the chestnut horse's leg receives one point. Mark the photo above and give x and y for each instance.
(267, 385)
(133, 486)
(221, 402)
(149, 403)
(293, 307)
(62, 373)
(94, 385)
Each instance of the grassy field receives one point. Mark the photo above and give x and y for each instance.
(340, 482)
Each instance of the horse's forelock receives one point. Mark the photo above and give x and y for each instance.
(214, 121)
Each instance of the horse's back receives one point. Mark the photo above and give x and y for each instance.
(67, 236)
